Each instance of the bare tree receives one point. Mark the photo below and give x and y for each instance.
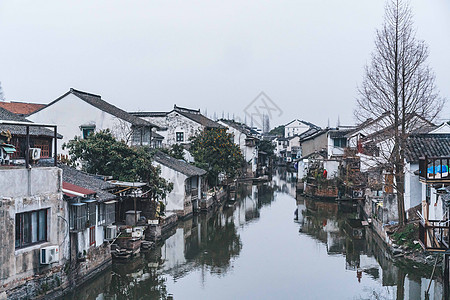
(122, 130)
(400, 86)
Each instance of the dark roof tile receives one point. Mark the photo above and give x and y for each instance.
(420, 145)
(177, 164)
(19, 129)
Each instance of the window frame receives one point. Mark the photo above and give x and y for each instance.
(340, 142)
(92, 236)
(19, 240)
(179, 136)
(87, 130)
(77, 216)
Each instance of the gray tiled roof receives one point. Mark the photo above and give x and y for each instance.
(149, 113)
(21, 130)
(177, 164)
(339, 133)
(420, 145)
(98, 102)
(314, 135)
(247, 130)
(309, 132)
(196, 116)
(88, 181)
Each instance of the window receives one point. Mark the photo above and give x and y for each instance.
(340, 142)
(91, 211)
(107, 213)
(31, 228)
(87, 131)
(180, 136)
(78, 216)
(92, 236)
(44, 145)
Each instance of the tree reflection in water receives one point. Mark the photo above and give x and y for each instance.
(328, 222)
(209, 241)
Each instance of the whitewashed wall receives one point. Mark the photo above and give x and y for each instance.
(333, 150)
(294, 128)
(175, 122)
(413, 187)
(175, 199)
(250, 153)
(332, 167)
(70, 112)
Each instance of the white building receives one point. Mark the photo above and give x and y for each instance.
(246, 139)
(78, 113)
(297, 127)
(178, 125)
(187, 182)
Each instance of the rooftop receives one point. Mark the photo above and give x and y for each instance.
(21, 108)
(178, 165)
(304, 122)
(87, 181)
(430, 145)
(196, 116)
(98, 102)
(21, 129)
(193, 114)
(240, 126)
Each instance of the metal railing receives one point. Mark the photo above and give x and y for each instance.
(434, 168)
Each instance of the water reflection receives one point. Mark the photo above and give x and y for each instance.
(330, 223)
(250, 249)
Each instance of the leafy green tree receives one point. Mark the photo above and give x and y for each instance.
(266, 146)
(215, 152)
(278, 131)
(102, 154)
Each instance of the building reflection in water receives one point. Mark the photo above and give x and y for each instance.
(328, 222)
(208, 242)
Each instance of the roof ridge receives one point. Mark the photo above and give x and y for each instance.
(184, 109)
(86, 93)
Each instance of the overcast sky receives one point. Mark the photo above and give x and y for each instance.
(306, 55)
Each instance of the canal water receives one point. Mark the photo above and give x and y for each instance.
(254, 249)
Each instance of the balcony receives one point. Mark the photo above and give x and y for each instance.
(434, 169)
(434, 234)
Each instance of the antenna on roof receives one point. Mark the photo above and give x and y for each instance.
(338, 123)
(328, 124)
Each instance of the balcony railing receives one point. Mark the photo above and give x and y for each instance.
(434, 169)
(434, 234)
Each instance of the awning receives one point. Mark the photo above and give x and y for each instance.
(8, 148)
(73, 190)
(88, 200)
(110, 202)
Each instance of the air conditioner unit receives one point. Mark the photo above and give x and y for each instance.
(35, 153)
(110, 232)
(49, 255)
